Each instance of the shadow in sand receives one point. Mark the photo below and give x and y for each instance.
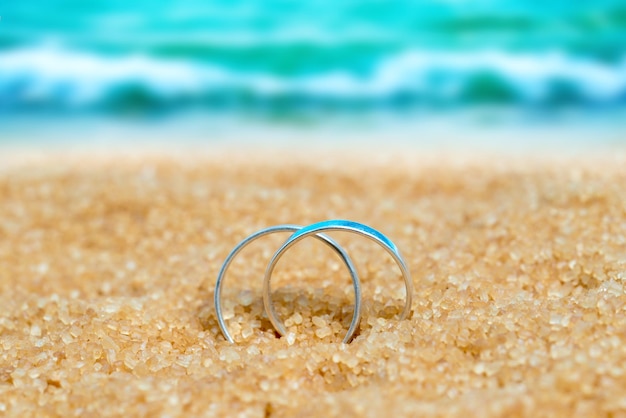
(245, 306)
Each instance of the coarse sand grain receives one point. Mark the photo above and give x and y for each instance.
(107, 269)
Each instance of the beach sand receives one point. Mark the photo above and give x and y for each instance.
(108, 264)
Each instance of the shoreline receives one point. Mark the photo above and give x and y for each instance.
(455, 133)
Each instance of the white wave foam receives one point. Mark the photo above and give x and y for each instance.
(76, 79)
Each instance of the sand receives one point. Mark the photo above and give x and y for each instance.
(107, 268)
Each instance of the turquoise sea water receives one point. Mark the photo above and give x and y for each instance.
(342, 56)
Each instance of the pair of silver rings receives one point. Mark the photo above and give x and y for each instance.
(299, 233)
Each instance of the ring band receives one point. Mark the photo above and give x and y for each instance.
(217, 298)
(334, 225)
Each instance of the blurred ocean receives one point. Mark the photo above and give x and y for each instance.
(318, 56)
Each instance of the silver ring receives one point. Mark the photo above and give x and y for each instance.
(217, 298)
(334, 225)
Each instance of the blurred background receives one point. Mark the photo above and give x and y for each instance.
(208, 70)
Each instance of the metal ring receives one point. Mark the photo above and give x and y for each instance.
(217, 299)
(334, 225)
